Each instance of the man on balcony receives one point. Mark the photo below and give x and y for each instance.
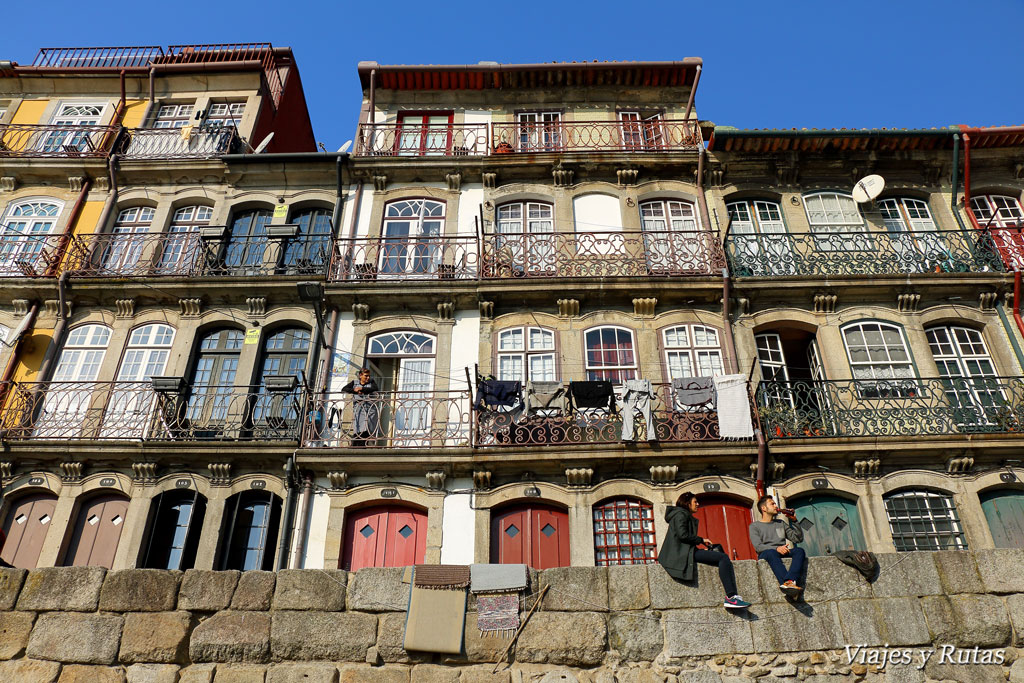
(774, 539)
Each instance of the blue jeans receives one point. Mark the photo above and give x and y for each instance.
(774, 560)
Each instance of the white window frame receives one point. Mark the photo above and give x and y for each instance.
(527, 355)
(640, 132)
(702, 359)
(877, 369)
(538, 131)
(927, 517)
(23, 238)
(420, 248)
(614, 373)
(225, 114)
(846, 221)
(963, 360)
(674, 215)
(997, 211)
(173, 115)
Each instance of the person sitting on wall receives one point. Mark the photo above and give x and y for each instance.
(771, 539)
(679, 552)
(365, 411)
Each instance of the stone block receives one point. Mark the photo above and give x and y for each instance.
(433, 673)
(377, 589)
(391, 640)
(962, 673)
(322, 636)
(958, 573)
(478, 648)
(197, 673)
(10, 583)
(79, 673)
(706, 591)
(1017, 672)
(700, 676)
(240, 673)
(203, 590)
(310, 589)
(254, 591)
(896, 621)
(572, 639)
(691, 632)
(1002, 570)
(1015, 608)
(636, 636)
(303, 673)
(29, 671)
(906, 574)
(62, 589)
(232, 636)
(627, 587)
(76, 638)
(484, 674)
(140, 590)
(967, 620)
(364, 673)
(826, 579)
(14, 630)
(800, 626)
(151, 673)
(575, 589)
(155, 637)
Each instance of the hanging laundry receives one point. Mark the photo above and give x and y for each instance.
(441, 576)
(733, 407)
(497, 614)
(637, 398)
(692, 392)
(493, 393)
(593, 394)
(545, 396)
(435, 620)
(497, 578)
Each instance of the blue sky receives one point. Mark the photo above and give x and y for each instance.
(768, 64)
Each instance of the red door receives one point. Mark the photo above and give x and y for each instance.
(727, 521)
(97, 532)
(26, 527)
(536, 535)
(384, 536)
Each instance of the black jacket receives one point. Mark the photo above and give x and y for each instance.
(676, 554)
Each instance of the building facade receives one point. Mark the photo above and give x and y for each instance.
(574, 298)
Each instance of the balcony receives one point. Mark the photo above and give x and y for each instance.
(390, 259)
(1009, 244)
(224, 255)
(860, 253)
(133, 411)
(177, 143)
(97, 57)
(897, 407)
(480, 139)
(25, 255)
(54, 141)
(124, 255)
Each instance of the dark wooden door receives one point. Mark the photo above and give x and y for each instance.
(830, 523)
(384, 536)
(536, 535)
(97, 532)
(1004, 510)
(25, 527)
(727, 521)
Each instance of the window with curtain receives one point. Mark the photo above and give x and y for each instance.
(610, 354)
(877, 351)
(915, 237)
(145, 356)
(68, 397)
(120, 253)
(526, 354)
(836, 222)
(24, 248)
(968, 374)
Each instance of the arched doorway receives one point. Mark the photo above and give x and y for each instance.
(727, 521)
(534, 534)
(384, 536)
(25, 527)
(1004, 511)
(97, 531)
(830, 523)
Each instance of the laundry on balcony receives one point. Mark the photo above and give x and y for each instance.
(733, 407)
(549, 397)
(693, 392)
(497, 394)
(637, 398)
(592, 394)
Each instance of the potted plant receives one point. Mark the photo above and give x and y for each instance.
(779, 419)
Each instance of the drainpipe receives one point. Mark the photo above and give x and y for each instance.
(152, 85)
(65, 237)
(286, 518)
(300, 527)
(59, 331)
(12, 362)
(693, 93)
(111, 201)
(371, 113)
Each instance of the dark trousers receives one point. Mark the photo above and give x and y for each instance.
(725, 572)
(774, 560)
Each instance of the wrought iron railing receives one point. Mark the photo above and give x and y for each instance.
(133, 255)
(680, 414)
(595, 136)
(860, 253)
(55, 141)
(601, 254)
(75, 411)
(894, 407)
(407, 258)
(179, 143)
(27, 255)
(1009, 244)
(391, 419)
(264, 255)
(97, 57)
(379, 139)
(231, 52)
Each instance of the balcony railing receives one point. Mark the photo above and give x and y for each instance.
(55, 141)
(480, 139)
(231, 52)
(1009, 244)
(601, 254)
(97, 57)
(264, 255)
(423, 258)
(27, 255)
(173, 143)
(895, 407)
(134, 255)
(676, 416)
(76, 411)
(391, 419)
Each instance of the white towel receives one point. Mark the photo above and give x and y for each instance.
(733, 407)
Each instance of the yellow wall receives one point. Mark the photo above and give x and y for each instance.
(87, 218)
(33, 349)
(133, 113)
(30, 111)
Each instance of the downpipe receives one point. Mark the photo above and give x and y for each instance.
(300, 527)
(286, 516)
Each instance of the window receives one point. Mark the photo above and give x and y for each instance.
(924, 520)
(669, 216)
(401, 344)
(174, 533)
(877, 351)
(68, 396)
(411, 238)
(251, 524)
(539, 131)
(145, 356)
(422, 134)
(122, 250)
(610, 354)
(624, 532)
(24, 249)
(182, 242)
(769, 356)
(642, 130)
(310, 251)
(836, 222)
(247, 242)
(284, 353)
(173, 116)
(969, 376)
(213, 378)
(997, 211)
(404, 362)
(757, 234)
(692, 351)
(68, 141)
(225, 114)
(526, 354)
(911, 228)
(525, 239)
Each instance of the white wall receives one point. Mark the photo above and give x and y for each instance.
(457, 525)
(465, 349)
(316, 531)
(345, 360)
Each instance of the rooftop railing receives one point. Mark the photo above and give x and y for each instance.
(231, 52)
(179, 143)
(56, 141)
(97, 57)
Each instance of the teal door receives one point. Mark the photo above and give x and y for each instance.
(1004, 510)
(830, 523)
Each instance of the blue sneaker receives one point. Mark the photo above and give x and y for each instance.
(736, 602)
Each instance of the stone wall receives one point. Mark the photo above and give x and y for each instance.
(625, 624)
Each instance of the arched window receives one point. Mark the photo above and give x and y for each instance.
(1002, 217)
(526, 354)
(757, 235)
(877, 351)
(69, 396)
(924, 520)
(120, 252)
(213, 380)
(247, 242)
(610, 354)
(401, 344)
(525, 243)
(913, 232)
(251, 523)
(284, 354)
(692, 351)
(145, 356)
(24, 249)
(411, 236)
(403, 364)
(969, 375)
(624, 532)
(177, 521)
(310, 250)
(181, 245)
(836, 222)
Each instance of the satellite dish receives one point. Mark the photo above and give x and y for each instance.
(867, 188)
(344, 148)
(263, 145)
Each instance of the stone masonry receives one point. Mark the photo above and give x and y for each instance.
(597, 625)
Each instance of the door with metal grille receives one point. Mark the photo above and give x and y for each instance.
(384, 536)
(830, 523)
(536, 535)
